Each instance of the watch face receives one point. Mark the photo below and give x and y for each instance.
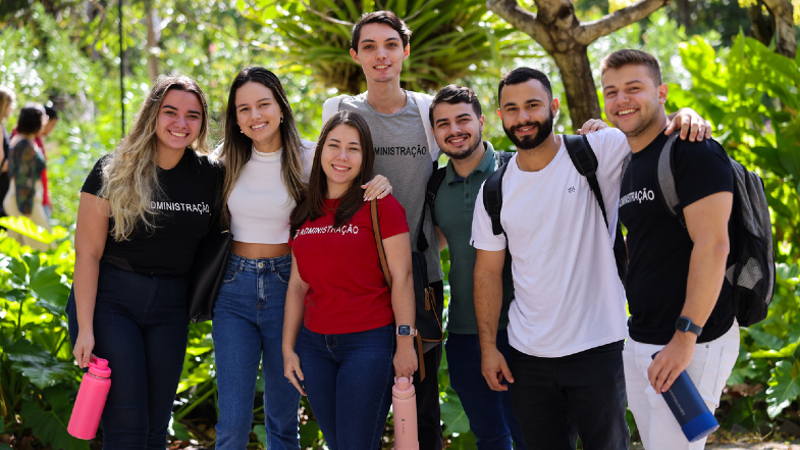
(403, 330)
(682, 324)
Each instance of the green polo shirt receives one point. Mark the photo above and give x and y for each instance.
(455, 203)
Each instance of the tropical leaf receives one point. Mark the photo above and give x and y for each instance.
(38, 365)
(50, 428)
(26, 227)
(453, 414)
(784, 386)
(50, 289)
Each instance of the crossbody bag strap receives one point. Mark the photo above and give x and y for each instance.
(376, 229)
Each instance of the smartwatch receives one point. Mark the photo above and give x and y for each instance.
(406, 330)
(685, 324)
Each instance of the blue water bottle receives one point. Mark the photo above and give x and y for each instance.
(689, 409)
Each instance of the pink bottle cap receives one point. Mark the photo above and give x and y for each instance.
(403, 383)
(99, 367)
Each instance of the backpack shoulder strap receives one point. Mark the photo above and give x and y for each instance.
(493, 198)
(424, 104)
(666, 180)
(434, 182)
(585, 161)
(331, 106)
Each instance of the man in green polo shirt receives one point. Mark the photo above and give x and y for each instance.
(457, 123)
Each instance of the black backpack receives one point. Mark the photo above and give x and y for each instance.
(585, 162)
(752, 272)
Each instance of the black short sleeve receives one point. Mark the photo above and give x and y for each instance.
(701, 169)
(94, 182)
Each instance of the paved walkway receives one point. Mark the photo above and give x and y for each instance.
(794, 445)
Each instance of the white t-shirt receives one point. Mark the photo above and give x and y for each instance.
(259, 204)
(568, 295)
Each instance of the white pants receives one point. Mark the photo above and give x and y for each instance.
(710, 368)
(38, 215)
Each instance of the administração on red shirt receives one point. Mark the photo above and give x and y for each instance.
(347, 291)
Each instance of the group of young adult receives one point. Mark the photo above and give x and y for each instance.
(304, 295)
(23, 170)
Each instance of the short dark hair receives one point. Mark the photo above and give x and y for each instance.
(30, 119)
(384, 17)
(454, 94)
(52, 114)
(631, 57)
(521, 75)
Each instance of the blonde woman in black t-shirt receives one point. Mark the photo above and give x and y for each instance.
(142, 213)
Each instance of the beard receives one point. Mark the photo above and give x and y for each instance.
(472, 144)
(543, 130)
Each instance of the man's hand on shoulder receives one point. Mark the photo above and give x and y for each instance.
(591, 126)
(673, 359)
(691, 124)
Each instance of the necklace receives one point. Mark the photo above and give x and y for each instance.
(266, 154)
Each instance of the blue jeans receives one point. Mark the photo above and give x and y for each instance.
(490, 413)
(248, 326)
(560, 399)
(348, 379)
(140, 327)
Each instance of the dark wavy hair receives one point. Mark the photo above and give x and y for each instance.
(313, 206)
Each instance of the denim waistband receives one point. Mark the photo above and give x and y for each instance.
(240, 263)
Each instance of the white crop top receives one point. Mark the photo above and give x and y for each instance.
(259, 203)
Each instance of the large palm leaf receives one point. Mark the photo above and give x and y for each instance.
(449, 40)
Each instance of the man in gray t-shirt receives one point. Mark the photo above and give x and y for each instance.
(405, 150)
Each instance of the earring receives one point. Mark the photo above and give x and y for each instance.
(241, 131)
(281, 119)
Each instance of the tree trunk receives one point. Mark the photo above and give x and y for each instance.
(580, 89)
(785, 40)
(762, 29)
(153, 49)
(556, 28)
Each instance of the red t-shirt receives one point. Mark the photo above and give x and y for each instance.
(347, 292)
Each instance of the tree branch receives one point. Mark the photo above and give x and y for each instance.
(590, 31)
(523, 20)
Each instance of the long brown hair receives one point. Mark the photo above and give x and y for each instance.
(237, 147)
(313, 206)
(130, 176)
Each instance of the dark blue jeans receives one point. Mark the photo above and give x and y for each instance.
(559, 399)
(348, 379)
(248, 327)
(490, 413)
(140, 327)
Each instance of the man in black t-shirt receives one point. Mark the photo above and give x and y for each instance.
(679, 303)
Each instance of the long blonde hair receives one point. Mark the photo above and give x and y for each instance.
(237, 147)
(130, 176)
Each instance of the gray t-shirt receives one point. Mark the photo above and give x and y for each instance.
(402, 155)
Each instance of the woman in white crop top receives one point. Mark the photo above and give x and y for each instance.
(267, 166)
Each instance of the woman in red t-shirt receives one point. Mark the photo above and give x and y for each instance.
(340, 316)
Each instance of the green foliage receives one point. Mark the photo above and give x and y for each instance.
(447, 42)
(38, 380)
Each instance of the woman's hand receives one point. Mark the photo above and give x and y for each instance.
(405, 358)
(292, 370)
(377, 187)
(83, 348)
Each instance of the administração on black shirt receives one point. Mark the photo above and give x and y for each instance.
(184, 209)
(659, 247)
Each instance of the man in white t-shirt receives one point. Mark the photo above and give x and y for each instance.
(567, 323)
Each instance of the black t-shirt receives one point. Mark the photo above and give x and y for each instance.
(184, 214)
(659, 247)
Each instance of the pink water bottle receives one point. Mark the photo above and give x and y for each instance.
(91, 400)
(404, 405)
